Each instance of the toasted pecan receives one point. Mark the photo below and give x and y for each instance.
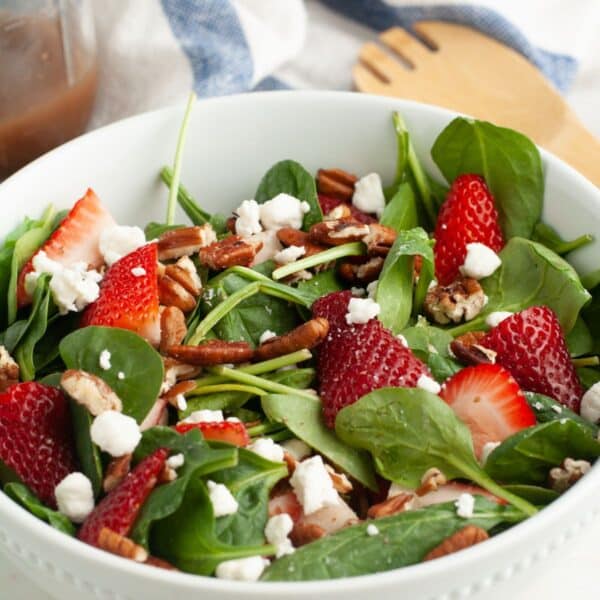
(336, 183)
(213, 352)
(229, 252)
(338, 232)
(185, 241)
(172, 327)
(463, 538)
(391, 506)
(340, 482)
(9, 369)
(117, 469)
(361, 272)
(90, 391)
(185, 274)
(308, 335)
(431, 481)
(379, 240)
(171, 293)
(567, 474)
(467, 349)
(461, 300)
(180, 388)
(341, 211)
(304, 533)
(294, 237)
(118, 544)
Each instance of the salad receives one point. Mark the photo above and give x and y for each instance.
(336, 379)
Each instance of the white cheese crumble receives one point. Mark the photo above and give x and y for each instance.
(313, 486)
(481, 261)
(248, 218)
(289, 255)
(138, 271)
(372, 289)
(221, 499)
(357, 291)
(402, 340)
(361, 310)
(121, 375)
(181, 402)
(115, 433)
(556, 408)
(118, 241)
(368, 194)
(205, 416)
(465, 505)
(75, 497)
(270, 246)
(590, 404)
(283, 211)
(538, 406)
(428, 384)
(495, 318)
(277, 530)
(487, 449)
(242, 569)
(104, 360)
(267, 448)
(297, 448)
(372, 529)
(176, 461)
(266, 335)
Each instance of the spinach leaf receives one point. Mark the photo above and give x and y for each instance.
(227, 400)
(154, 230)
(540, 496)
(579, 339)
(131, 355)
(409, 430)
(527, 456)
(588, 376)
(290, 177)
(199, 460)
(403, 539)
(509, 162)
(87, 452)
(549, 237)
(401, 211)
(395, 286)
(46, 351)
(27, 499)
(304, 418)
(442, 367)
(547, 409)
(295, 378)
(321, 284)
(591, 315)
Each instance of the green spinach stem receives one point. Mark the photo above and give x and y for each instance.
(226, 387)
(586, 361)
(196, 215)
(566, 247)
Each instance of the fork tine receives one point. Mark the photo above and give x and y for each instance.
(383, 65)
(408, 47)
(365, 80)
(427, 32)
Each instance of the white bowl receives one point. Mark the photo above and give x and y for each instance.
(231, 143)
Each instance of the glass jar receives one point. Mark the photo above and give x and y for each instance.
(48, 76)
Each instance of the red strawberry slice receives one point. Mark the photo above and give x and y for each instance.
(468, 215)
(285, 502)
(36, 439)
(489, 401)
(128, 299)
(119, 509)
(531, 345)
(75, 240)
(357, 359)
(328, 203)
(232, 432)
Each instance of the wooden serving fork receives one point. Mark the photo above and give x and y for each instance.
(459, 68)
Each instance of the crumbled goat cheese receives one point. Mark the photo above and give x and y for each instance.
(277, 530)
(138, 271)
(104, 360)
(242, 569)
(267, 448)
(372, 529)
(283, 211)
(368, 194)
(176, 461)
(248, 218)
(270, 246)
(181, 402)
(356, 291)
(297, 448)
(465, 505)
(313, 486)
(495, 318)
(75, 497)
(361, 310)
(115, 433)
(538, 406)
(433, 283)
(267, 335)
(590, 404)
(402, 339)
(118, 241)
(372, 289)
(487, 449)
(428, 384)
(289, 255)
(480, 261)
(205, 416)
(121, 375)
(221, 499)
(556, 408)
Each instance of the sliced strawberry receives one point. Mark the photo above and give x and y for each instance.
(285, 502)
(531, 345)
(127, 299)
(489, 401)
(328, 203)
(36, 439)
(75, 240)
(468, 215)
(232, 432)
(357, 359)
(452, 491)
(119, 509)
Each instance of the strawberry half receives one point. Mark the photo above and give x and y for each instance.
(468, 215)
(128, 300)
(75, 240)
(232, 432)
(531, 345)
(357, 359)
(36, 439)
(328, 203)
(489, 401)
(119, 509)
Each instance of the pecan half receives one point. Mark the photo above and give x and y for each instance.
(340, 482)
(171, 293)
(304, 533)
(176, 371)
(463, 538)
(336, 233)
(363, 272)
(341, 211)
(568, 474)
(336, 183)
(463, 299)
(213, 352)
(118, 544)
(172, 327)
(180, 388)
(117, 469)
(185, 274)
(90, 391)
(431, 481)
(391, 506)
(185, 241)
(469, 351)
(229, 252)
(379, 240)
(9, 369)
(294, 237)
(308, 335)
